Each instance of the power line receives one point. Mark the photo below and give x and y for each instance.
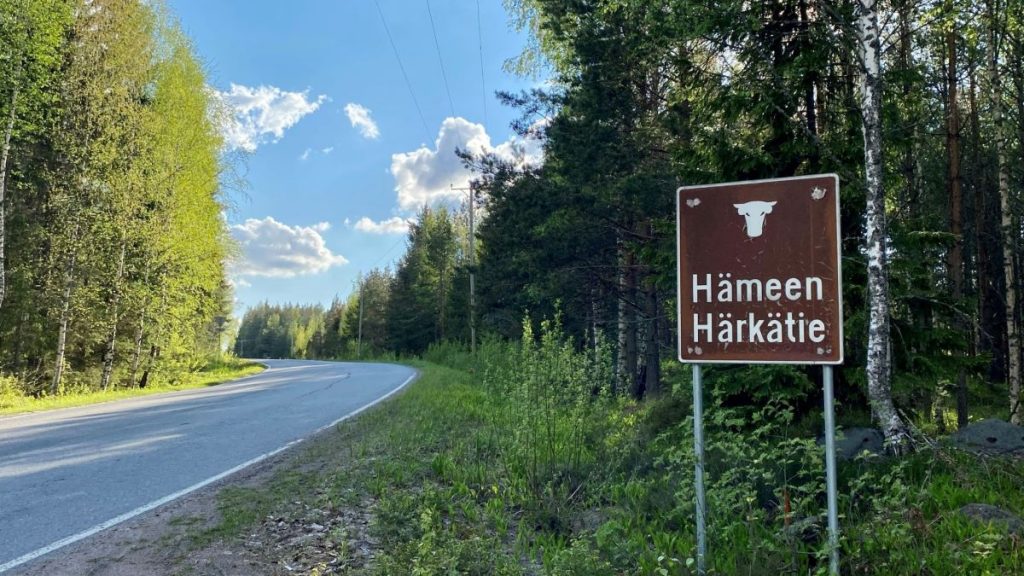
(483, 77)
(440, 59)
(408, 84)
(390, 250)
(444, 75)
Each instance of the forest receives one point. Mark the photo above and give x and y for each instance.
(550, 432)
(572, 413)
(112, 239)
(388, 312)
(917, 106)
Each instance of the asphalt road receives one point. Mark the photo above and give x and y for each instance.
(66, 474)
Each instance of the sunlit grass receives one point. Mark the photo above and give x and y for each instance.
(218, 373)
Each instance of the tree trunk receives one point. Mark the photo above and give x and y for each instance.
(595, 323)
(652, 353)
(983, 339)
(626, 365)
(108, 354)
(908, 164)
(65, 315)
(878, 352)
(1006, 222)
(955, 258)
(19, 339)
(4, 156)
(154, 353)
(137, 353)
(810, 89)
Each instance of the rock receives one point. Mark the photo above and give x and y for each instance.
(850, 442)
(988, 514)
(807, 530)
(990, 436)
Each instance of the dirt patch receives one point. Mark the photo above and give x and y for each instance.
(174, 540)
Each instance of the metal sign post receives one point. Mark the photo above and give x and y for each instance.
(698, 451)
(830, 473)
(760, 282)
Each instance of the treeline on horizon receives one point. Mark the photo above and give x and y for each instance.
(112, 243)
(424, 301)
(647, 96)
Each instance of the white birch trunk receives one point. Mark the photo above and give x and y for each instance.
(626, 329)
(108, 354)
(879, 359)
(65, 316)
(1006, 222)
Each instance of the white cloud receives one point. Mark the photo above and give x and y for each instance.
(426, 176)
(395, 225)
(261, 114)
(305, 154)
(360, 118)
(273, 249)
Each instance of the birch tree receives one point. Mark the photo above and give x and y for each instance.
(879, 361)
(995, 38)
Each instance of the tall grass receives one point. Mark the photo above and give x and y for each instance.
(601, 485)
(551, 403)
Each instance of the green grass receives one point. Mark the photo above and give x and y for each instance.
(12, 402)
(392, 461)
(455, 476)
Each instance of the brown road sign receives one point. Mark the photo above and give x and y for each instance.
(759, 272)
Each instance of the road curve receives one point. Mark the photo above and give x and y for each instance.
(67, 474)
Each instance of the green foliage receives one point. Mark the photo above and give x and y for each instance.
(428, 286)
(352, 329)
(115, 243)
(553, 402)
(652, 95)
(288, 331)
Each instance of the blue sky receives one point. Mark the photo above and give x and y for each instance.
(336, 155)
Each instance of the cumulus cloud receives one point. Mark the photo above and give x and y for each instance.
(277, 250)
(426, 176)
(360, 118)
(255, 116)
(395, 225)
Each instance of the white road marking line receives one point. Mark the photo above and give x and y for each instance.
(157, 503)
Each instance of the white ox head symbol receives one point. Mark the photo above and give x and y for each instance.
(754, 212)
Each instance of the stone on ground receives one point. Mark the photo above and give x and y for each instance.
(990, 436)
(988, 514)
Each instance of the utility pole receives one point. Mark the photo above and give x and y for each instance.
(359, 341)
(472, 269)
